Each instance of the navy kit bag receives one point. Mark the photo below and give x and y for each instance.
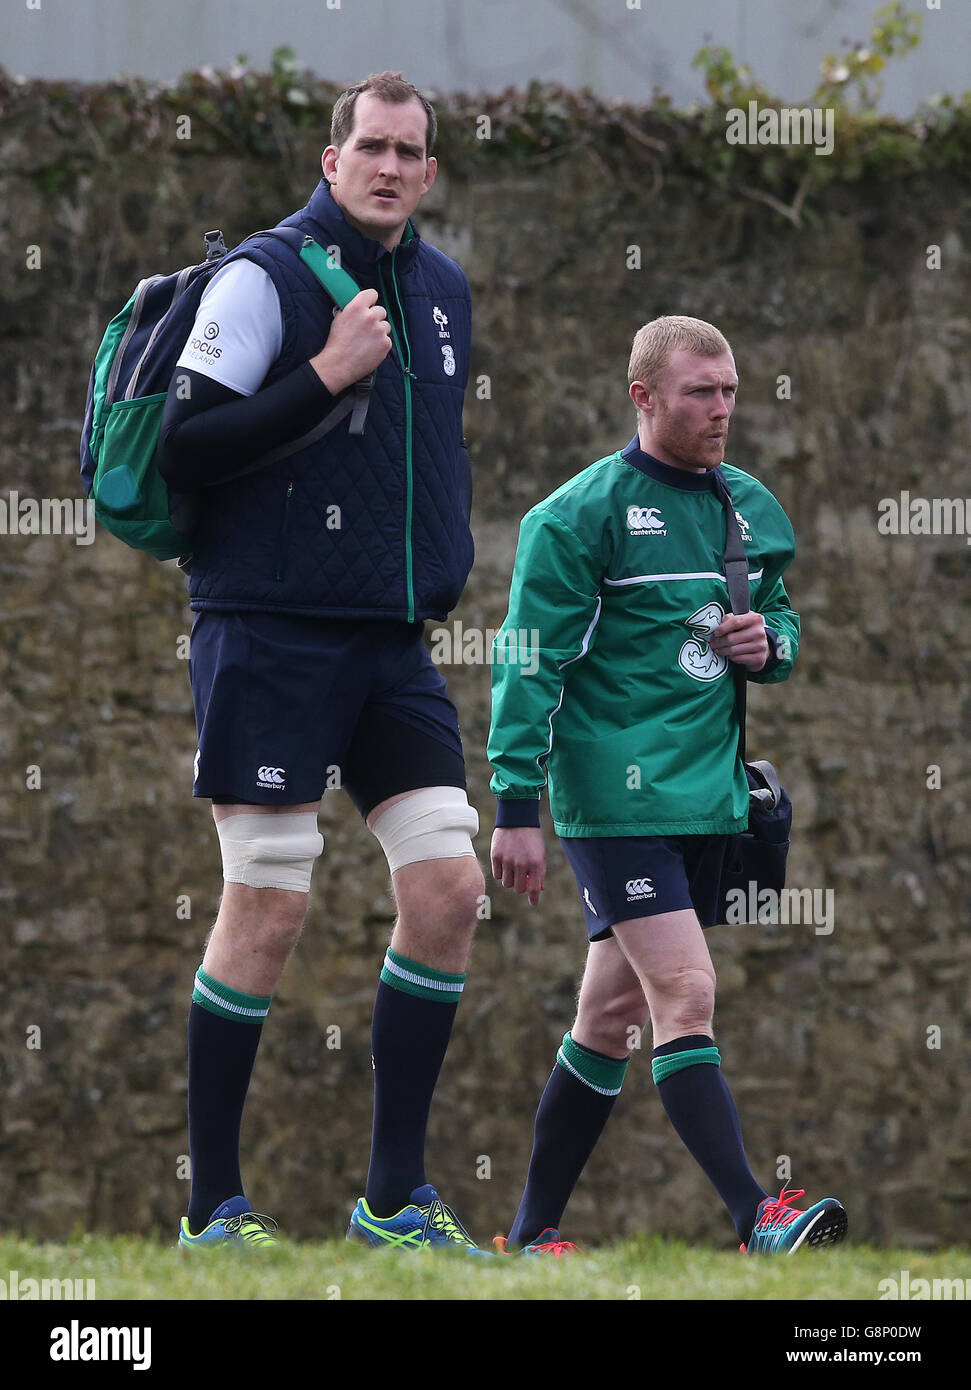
(756, 856)
(130, 381)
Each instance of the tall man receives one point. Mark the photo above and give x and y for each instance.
(311, 576)
(628, 699)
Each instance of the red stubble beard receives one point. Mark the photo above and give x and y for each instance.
(688, 444)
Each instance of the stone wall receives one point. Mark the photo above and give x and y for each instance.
(110, 875)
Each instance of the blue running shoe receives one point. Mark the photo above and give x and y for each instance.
(780, 1228)
(425, 1221)
(231, 1224)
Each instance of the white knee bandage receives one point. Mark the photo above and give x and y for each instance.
(270, 851)
(436, 823)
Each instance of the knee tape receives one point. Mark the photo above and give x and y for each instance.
(435, 823)
(270, 851)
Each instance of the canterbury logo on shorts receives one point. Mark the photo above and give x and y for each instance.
(640, 888)
(273, 778)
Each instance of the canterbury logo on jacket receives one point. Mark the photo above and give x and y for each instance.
(620, 575)
(371, 526)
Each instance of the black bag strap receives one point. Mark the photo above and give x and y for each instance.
(736, 561)
(736, 576)
(350, 405)
(769, 792)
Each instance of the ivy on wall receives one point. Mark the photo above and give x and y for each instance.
(258, 114)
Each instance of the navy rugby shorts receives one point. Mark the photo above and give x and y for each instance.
(287, 707)
(629, 876)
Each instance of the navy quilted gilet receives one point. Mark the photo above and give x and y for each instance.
(371, 526)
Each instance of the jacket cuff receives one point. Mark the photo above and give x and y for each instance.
(773, 659)
(513, 814)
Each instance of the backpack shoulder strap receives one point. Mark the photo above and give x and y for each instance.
(339, 283)
(342, 287)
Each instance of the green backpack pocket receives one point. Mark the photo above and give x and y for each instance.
(131, 499)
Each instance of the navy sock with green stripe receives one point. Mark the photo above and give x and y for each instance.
(225, 1027)
(570, 1118)
(700, 1106)
(414, 1011)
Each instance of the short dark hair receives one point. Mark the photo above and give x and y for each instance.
(389, 86)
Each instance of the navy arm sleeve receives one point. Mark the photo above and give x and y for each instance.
(211, 433)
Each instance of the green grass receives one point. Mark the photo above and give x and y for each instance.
(129, 1267)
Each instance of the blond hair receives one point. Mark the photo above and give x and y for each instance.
(654, 343)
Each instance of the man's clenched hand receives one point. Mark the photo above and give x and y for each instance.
(519, 860)
(741, 637)
(358, 342)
